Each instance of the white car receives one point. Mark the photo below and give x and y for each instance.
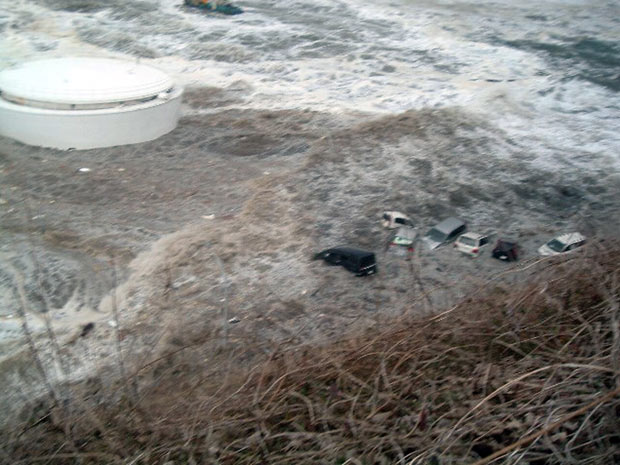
(393, 220)
(564, 243)
(471, 243)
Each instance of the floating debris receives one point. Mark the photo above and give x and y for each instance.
(216, 6)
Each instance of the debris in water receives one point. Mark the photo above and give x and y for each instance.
(84, 170)
(221, 6)
(183, 281)
(87, 328)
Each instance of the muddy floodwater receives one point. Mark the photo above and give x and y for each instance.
(299, 127)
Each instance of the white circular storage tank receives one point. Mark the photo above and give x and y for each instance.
(84, 103)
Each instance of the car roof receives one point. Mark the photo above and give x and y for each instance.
(474, 236)
(395, 213)
(507, 241)
(505, 244)
(449, 224)
(570, 238)
(350, 251)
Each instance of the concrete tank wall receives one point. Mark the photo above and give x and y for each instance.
(88, 129)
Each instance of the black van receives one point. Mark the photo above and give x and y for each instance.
(357, 261)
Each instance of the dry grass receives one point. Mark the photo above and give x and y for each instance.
(521, 374)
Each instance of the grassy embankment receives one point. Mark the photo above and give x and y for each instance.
(528, 373)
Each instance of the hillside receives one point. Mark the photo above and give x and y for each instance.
(529, 371)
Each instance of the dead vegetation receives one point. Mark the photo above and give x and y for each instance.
(527, 374)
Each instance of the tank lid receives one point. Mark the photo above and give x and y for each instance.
(78, 80)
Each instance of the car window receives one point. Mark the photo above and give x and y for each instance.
(436, 235)
(456, 232)
(484, 240)
(467, 241)
(334, 258)
(399, 220)
(556, 245)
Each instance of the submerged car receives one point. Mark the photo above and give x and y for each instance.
(359, 262)
(562, 243)
(394, 219)
(506, 250)
(471, 243)
(218, 6)
(444, 232)
(405, 236)
(402, 242)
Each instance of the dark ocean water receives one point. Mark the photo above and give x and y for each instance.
(584, 58)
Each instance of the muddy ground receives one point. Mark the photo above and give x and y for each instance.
(219, 219)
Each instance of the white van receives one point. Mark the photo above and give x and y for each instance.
(394, 219)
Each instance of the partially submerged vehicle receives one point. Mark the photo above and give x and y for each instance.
(405, 236)
(401, 243)
(216, 6)
(506, 250)
(444, 232)
(471, 243)
(359, 262)
(394, 219)
(562, 243)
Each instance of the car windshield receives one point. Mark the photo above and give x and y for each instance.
(435, 235)
(467, 241)
(556, 245)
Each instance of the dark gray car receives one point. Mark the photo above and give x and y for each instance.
(357, 261)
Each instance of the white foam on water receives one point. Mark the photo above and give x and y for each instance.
(386, 56)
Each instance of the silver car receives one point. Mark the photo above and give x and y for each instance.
(444, 232)
(563, 243)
